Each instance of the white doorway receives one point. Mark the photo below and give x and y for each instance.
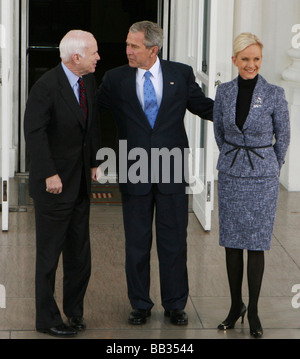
(199, 32)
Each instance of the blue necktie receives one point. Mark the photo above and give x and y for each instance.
(150, 101)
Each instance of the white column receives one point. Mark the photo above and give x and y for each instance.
(290, 174)
(6, 11)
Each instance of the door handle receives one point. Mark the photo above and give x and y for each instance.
(218, 82)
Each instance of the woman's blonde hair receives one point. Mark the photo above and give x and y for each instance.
(245, 40)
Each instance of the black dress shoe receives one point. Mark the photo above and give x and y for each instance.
(138, 316)
(177, 317)
(61, 330)
(77, 323)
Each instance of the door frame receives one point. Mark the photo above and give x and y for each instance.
(203, 200)
(6, 92)
(186, 46)
(24, 43)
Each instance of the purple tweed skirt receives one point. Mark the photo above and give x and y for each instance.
(247, 210)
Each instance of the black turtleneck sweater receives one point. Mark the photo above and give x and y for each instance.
(246, 88)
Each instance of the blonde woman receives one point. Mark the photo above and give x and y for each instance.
(251, 124)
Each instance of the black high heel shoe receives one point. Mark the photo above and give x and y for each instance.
(258, 331)
(229, 324)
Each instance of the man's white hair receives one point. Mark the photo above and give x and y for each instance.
(74, 42)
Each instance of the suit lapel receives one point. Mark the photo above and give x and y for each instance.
(256, 107)
(89, 94)
(169, 88)
(128, 85)
(256, 102)
(69, 96)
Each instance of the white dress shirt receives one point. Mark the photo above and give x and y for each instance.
(156, 79)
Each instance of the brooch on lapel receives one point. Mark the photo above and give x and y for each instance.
(258, 103)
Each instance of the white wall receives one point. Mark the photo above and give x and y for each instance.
(272, 22)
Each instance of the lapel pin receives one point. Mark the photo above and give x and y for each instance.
(172, 83)
(258, 102)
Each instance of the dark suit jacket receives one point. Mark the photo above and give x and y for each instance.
(180, 92)
(56, 137)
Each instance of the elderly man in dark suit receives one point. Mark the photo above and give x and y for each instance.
(60, 131)
(149, 99)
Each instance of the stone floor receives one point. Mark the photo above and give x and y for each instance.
(106, 304)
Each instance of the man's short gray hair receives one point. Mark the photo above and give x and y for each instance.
(154, 35)
(74, 42)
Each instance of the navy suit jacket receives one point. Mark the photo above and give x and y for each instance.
(180, 92)
(267, 126)
(56, 137)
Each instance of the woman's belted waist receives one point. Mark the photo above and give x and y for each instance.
(248, 149)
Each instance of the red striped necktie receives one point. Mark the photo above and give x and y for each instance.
(82, 98)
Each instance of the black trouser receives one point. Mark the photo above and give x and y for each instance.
(61, 228)
(171, 219)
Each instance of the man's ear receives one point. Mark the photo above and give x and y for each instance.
(154, 51)
(76, 59)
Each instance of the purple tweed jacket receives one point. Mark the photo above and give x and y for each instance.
(259, 149)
